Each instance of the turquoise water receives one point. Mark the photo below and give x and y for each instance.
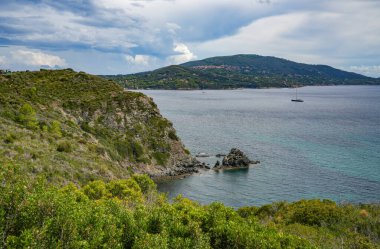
(326, 147)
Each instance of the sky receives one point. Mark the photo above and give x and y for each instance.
(128, 36)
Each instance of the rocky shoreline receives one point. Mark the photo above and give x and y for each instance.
(181, 170)
(235, 159)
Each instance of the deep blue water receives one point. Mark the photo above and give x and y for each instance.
(326, 147)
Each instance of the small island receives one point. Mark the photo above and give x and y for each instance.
(236, 159)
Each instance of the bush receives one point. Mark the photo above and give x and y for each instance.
(246, 212)
(161, 158)
(146, 184)
(35, 214)
(172, 135)
(95, 190)
(65, 146)
(10, 138)
(55, 128)
(150, 241)
(315, 213)
(28, 117)
(125, 189)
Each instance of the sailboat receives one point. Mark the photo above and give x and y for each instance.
(297, 99)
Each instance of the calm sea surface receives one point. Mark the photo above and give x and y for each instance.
(326, 147)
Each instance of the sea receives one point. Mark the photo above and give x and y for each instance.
(327, 147)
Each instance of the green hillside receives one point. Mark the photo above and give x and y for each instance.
(240, 71)
(78, 127)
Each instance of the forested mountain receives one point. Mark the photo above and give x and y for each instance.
(241, 71)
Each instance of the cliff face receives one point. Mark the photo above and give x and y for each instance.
(79, 127)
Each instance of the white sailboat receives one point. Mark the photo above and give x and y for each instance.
(297, 99)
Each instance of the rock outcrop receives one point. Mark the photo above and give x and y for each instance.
(235, 159)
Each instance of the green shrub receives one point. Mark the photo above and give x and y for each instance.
(315, 212)
(10, 138)
(28, 117)
(55, 128)
(150, 241)
(123, 148)
(125, 189)
(35, 214)
(172, 135)
(65, 146)
(246, 212)
(161, 158)
(137, 151)
(95, 190)
(146, 184)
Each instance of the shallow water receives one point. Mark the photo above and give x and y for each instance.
(326, 147)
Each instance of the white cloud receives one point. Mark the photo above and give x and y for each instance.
(184, 54)
(36, 58)
(373, 71)
(156, 33)
(104, 30)
(3, 61)
(337, 34)
(266, 36)
(139, 59)
(172, 28)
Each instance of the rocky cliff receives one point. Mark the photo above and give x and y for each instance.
(78, 127)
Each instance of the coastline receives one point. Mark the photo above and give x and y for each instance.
(243, 88)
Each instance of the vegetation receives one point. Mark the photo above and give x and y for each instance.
(69, 143)
(240, 71)
(78, 127)
(130, 213)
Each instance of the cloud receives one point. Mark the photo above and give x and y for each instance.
(183, 54)
(264, 1)
(36, 58)
(173, 28)
(3, 60)
(373, 71)
(95, 36)
(336, 34)
(69, 27)
(140, 59)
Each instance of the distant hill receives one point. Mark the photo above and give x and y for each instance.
(241, 71)
(78, 127)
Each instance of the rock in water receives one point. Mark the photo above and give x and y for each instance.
(235, 159)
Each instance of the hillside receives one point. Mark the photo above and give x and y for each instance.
(77, 127)
(241, 71)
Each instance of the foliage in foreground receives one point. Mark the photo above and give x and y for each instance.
(132, 214)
